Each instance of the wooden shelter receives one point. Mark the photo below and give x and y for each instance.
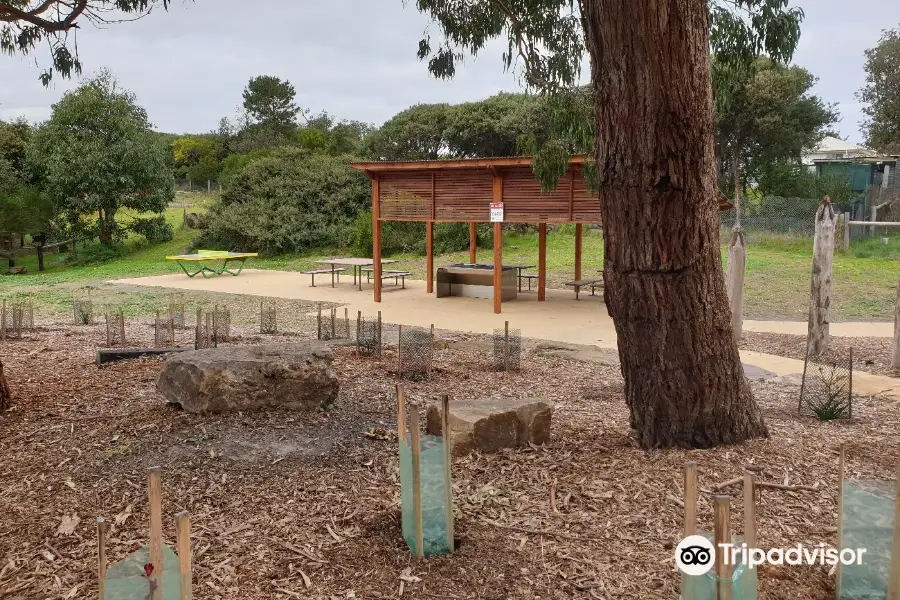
(464, 190)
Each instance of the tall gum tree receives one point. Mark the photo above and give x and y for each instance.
(655, 171)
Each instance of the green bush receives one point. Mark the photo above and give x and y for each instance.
(288, 202)
(93, 253)
(155, 230)
(398, 237)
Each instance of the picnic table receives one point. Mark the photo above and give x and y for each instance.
(207, 256)
(520, 276)
(356, 263)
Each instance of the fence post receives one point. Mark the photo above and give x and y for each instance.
(820, 293)
(734, 279)
(847, 218)
(873, 218)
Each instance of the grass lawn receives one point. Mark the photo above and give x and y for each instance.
(777, 285)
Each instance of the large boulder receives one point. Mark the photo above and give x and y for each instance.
(239, 378)
(492, 424)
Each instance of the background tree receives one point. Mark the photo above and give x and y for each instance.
(416, 133)
(26, 23)
(656, 176)
(881, 94)
(195, 158)
(98, 154)
(765, 118)
(269, 103)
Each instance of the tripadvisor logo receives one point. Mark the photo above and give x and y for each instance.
(696, 555)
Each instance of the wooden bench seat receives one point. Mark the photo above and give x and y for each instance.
(527, 277)
(577, 285)
(397, 276)
(334, 272)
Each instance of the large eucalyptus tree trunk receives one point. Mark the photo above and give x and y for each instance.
(665, 288)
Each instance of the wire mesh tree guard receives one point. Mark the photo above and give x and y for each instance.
(368, 335)
(176, 309)
(83, 311)
(268, 317)
(12, 320)
(115, 328)
(507, 348)
(163, 331)
(330, 326)
(415, 352)
(827, 388)
(221, 323)
(204, 331)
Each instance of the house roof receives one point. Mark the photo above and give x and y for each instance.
(833, 144)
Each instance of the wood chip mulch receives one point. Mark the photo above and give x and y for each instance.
(870, 354)
(299, 505)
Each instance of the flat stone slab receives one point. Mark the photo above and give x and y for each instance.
(241, 378)
(492, 424)
(754, 373)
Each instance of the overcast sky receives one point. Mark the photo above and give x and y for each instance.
(355, 59)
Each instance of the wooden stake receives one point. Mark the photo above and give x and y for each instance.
(3, 320)
(156, 537)
(183, 534)
(171, 327)
(734, 279)
(121, 326)
(379, 334)
(431, 350)
(690, 498)
(894, 580)
(722, 535)
(401, 412)
(198, 329)
(750, 509)
(820, 294)
(108, 333)
(101, 557)
(319, 321)
(346, 323)
(846, 231)
(506, 345)
(399, 351)
(895, 349)
(156, 334)
(840, 524)
(358, 325)
(416, 446)
(448, 480)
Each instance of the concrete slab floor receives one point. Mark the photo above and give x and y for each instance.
(561, 318)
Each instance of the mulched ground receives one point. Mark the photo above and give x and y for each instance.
(870, 354)
(296, 505)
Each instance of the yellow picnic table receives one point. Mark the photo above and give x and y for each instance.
(203, 256)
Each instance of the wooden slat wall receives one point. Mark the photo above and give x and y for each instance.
(585, 205)
(463, 195)
(405, 196)
(466, 194)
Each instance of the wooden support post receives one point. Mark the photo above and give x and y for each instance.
(542, 262)
(750, 509)
(101, 557)
(690, 498)
(445, 433)
(429, 256)
(820, 294)
(578, 244)
(498, 267)
(873, 218)
(840, 523)
(183, 534)
(156, 537)
(376, 238)
(473, 242)
(722, 535)
(895, 351)
(734, 279)
(416, 447)
(894, 579)
(431, 350)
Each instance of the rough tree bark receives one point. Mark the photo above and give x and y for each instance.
(665, 287)
(5, 394)
(820, 293)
